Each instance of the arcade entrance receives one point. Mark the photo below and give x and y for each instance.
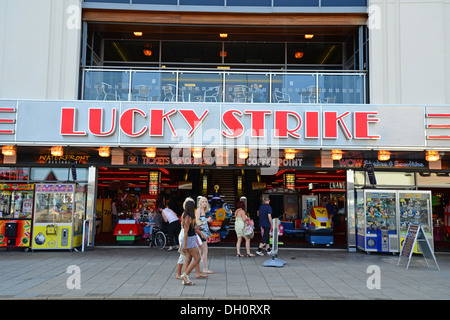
(134, 193)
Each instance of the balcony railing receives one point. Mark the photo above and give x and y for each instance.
(224, 86)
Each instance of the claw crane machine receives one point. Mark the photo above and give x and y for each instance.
(16, 211)
(58, 218)
(376, 221)
(415, 208)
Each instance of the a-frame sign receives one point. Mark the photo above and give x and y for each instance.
(415, 234)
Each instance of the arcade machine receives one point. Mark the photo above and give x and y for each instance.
(415, 208)
(377, 226)
(308, 201)
(59, 212)
(318, 226)
(221, 215)
(16, 210)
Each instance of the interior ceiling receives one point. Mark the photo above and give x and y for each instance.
(211, 33)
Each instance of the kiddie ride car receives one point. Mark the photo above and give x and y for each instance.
(318, 226)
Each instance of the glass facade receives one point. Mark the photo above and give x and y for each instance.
(245, 3)
(223, 86)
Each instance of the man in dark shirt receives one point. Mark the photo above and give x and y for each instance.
(265, 222)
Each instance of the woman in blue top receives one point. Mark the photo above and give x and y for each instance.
(202, 223)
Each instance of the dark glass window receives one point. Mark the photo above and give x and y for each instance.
(254, 53)
(250, 3)
(191, 52)
(109, 1)
(296, 3)
(172, 2)
(142, 51)
(344, 3)
(314, 53)
(202, 2)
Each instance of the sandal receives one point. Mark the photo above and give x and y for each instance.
(239, 255)
(186, 281)
(201, 276)
(250, 255)
(208, 271)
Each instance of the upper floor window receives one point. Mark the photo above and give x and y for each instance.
(243, 3)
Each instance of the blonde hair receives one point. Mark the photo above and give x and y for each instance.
(187, 200)
(208, 207)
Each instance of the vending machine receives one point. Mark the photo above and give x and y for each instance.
(376, 220)
(415, 208)
(58, 218)
(16, 212)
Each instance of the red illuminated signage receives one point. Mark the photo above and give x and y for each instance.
(232, 120)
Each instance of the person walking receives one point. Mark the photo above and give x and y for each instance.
(172, 219)
(182, 257)
(265, 222)
(239, 224)
(202, 223)
(190, 248)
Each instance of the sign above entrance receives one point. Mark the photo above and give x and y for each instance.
(230, 125)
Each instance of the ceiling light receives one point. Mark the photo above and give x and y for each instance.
(223, 35)
(57, 151)
(197, 153)
(298, 55)
(104, 152)
(138, 33)
(384, 155)
(243, 153)
(223, 53)
(336, 154)
(309, 36)
(9, 150)
(147, 52)
(432, 155)
(289, 154)
(150, 152)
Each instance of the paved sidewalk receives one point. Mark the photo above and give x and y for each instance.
(145, 273)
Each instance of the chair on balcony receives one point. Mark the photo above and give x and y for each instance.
(281, 97)
(143, 93)
(314, 94)
(169, 92)
(239, 93)
(330, 99)
(213, 94)
(104, 92)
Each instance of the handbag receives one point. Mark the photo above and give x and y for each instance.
(248, 231)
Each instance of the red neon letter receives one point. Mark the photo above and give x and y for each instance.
(258, 127)
(157, 117)
(330, 125)
(281, 124)
(127, 122)
(96, 122)
(362, 125)
(68, 123)
(312, 124)
(192, 119)
(232, 123)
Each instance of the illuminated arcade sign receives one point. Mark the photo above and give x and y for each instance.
(233, 125)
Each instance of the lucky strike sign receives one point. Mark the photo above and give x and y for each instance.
(354, 125)
(103, 123)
